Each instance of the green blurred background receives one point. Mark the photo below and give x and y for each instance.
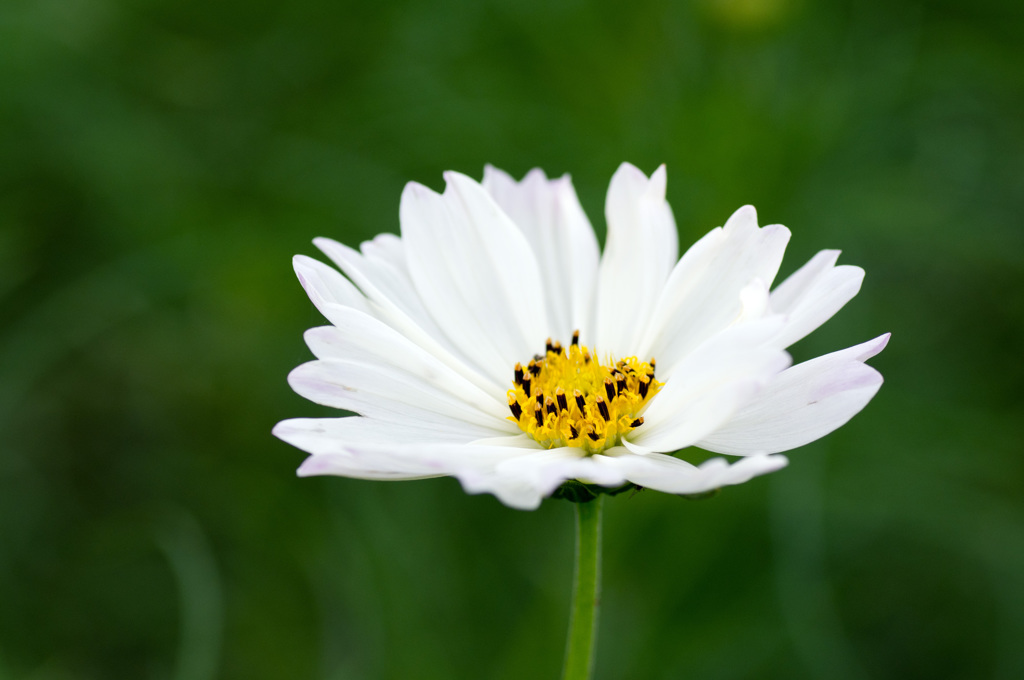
(160, 163)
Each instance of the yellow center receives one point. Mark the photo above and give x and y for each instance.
(566, 398)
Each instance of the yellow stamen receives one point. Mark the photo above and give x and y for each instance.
(607, 398)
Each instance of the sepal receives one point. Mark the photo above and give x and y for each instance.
(577, 492)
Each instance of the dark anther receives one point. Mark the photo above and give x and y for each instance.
(519, 374)
(620, 383)
(609, 388)
(557, 347)
(586, 356)
(573, 432)
(594, 436)
(645, 384)
(540, 398)
(580, 401)
(534, 368)
(514, 406)
(575, 337)
(538, 414)
(603, 408)
(560, 396)
(549, 404)
(527, 383)
(549, 347)
(637, 423)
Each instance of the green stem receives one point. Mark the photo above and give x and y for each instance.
(586, 596)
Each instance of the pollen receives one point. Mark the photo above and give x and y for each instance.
(565, 397)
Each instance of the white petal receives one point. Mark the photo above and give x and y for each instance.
(321, 436)
(514, 492)
(475, 272)
(754, 301)
(550, 216)
(362, 465)
(710, 385)
(521, 440)
(813, 293)
(518, 477)
(641, 248)
(672, 475)
(364, 448)
(524, 480)
(382, 391)
(549, 468)
(387, 285)
(326, 287)
(479, 468)
(359, 337)
(386, 248)
(703, 293)
(379, 280)
(803, 403)
(396, 302)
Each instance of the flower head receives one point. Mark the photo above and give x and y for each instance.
(493, 342)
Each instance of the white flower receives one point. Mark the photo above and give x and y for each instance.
(427, 330)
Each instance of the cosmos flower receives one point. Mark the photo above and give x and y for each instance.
(495, 343)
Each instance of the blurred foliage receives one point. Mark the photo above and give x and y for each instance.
(161, 161)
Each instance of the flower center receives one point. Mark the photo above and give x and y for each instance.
(566, 398)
